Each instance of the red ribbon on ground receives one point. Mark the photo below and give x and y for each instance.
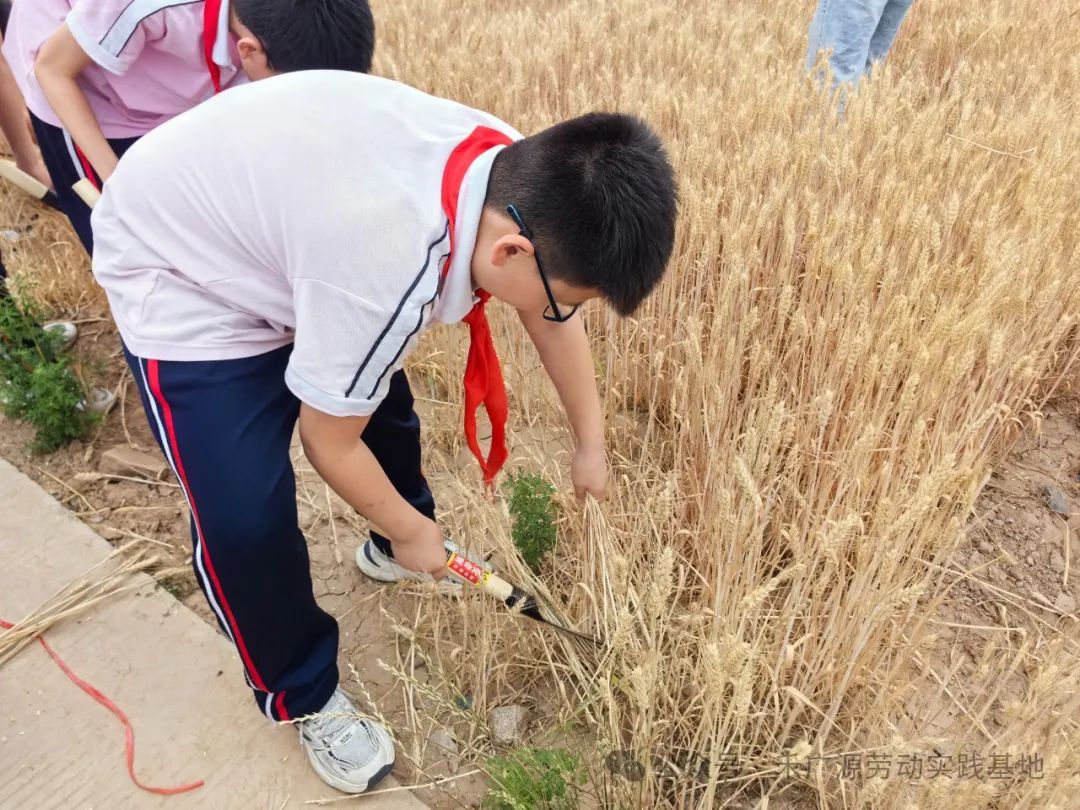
(129, 732)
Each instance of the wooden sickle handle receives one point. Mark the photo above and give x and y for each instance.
(87, 192)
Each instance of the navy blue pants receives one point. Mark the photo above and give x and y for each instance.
(225, 427)
(67, 165)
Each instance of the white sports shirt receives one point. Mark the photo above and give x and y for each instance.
(305, 208)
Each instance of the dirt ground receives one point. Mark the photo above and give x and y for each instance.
(1015, 580)
(155, 513)
(1022, 548)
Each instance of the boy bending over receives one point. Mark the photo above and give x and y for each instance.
(274, 254)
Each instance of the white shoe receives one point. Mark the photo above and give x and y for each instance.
(101, 399)
(347, 751)
(65, 331)
(373, 563)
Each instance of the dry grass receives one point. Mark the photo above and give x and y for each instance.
(105, 580)
(858, 318)
(45, 260)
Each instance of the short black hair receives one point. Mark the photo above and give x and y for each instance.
(312, 34)
(598, 194)
(5, 12)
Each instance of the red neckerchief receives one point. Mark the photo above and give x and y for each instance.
(483, 375)
(211, 16)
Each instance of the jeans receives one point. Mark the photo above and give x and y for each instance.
(859, 33)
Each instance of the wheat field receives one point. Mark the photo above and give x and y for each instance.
(858, 318)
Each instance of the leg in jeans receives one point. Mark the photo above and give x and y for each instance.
(393, 436)
(67, 165)
(888, 25)
(845, 27)
(225, 427)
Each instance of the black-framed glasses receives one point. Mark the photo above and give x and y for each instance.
(552, 313)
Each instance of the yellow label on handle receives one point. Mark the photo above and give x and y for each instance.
(465, 568)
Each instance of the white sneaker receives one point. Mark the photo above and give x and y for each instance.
(66, 331)
(101, 399)
(347, 751)
(373, 563)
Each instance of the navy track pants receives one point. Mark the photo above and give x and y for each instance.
(67, 165)
(225, 427)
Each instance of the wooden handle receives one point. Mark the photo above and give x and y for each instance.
(87, 192)
(31, 185)
(494, 585)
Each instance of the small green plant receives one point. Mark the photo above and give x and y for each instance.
(37, 383)
(533, 514)
(535, 779)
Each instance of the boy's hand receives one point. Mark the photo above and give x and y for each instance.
(564, 351)
(423, 552)
(28, 156)
(589, 472)
(33, 165)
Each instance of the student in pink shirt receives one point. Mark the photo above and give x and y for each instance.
(15, 127)
(99, 74)
(13, 120)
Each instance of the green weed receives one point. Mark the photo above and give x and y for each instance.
(535, 779)
(533, 514)
(37, 383)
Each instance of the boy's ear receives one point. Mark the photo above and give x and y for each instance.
(508, 246)
(253, 57)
